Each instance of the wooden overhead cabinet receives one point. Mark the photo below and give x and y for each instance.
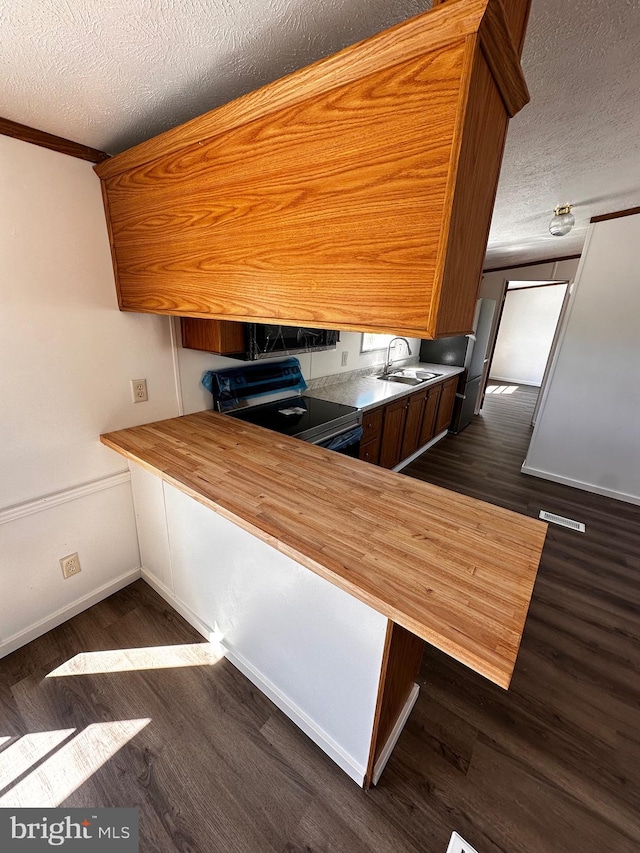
(354, 194)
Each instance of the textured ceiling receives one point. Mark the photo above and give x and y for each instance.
(578, 140)
(110, 73)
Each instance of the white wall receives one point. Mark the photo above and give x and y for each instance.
(494, 283)
(329, 363)
(315, 650)
(526, 333)
(66, 357)
(587, 432)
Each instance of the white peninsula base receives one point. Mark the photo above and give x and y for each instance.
(317, 652)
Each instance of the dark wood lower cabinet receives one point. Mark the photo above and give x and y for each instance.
(370, 451)
(372, 424)
(394, 432)
(428, 427)
(413, 424)
(371, 435)
(445, 407)
(393, 423)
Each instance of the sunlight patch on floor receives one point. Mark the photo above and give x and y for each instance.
(501, 389)
(129, 660)
(56, 778)
(27, 751)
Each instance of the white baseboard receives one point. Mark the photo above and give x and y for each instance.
(345, 761)
(186, 613)
(40, 628)
(419, 452)
(392, 740)
(578, 484)
(513, 382)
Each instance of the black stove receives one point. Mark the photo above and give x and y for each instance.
(239, 390)
(301, 417)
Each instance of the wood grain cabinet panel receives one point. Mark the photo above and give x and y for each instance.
(393, 423)
(219, 336)
(413, 424)
(445, 405)
(400, 667)
(428, 426)
(372, 424)
(370, 451)
(371, 435)
(407, 424)
(354, 194)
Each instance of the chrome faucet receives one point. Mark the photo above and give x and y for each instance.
(389, 361)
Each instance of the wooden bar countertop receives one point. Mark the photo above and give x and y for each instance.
(456, 571)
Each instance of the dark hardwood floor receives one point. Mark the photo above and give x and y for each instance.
(550, 766)
(553, 763)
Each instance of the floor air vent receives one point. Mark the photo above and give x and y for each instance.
(564, 522)
(459, 845)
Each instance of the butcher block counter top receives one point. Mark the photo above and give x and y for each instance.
(455, 571)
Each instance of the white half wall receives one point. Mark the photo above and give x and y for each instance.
(315, 650)
(529, 321)
(67, 355)
(586, 432)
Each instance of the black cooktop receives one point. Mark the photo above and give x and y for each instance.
(299, 417)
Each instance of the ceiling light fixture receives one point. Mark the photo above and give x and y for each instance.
(563, 220)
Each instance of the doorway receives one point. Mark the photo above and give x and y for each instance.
(526, 335)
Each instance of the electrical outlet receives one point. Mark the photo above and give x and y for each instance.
(70, 565)
(139, 390)
(459, 845)
(345, 358)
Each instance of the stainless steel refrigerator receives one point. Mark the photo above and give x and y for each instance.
(470, 352)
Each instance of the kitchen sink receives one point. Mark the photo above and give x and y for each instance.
(409, 376)
(405, 380)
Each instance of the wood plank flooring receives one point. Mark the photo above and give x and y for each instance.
(549, 766)
(552, 764)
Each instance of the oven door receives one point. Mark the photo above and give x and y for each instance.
(345, 441)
